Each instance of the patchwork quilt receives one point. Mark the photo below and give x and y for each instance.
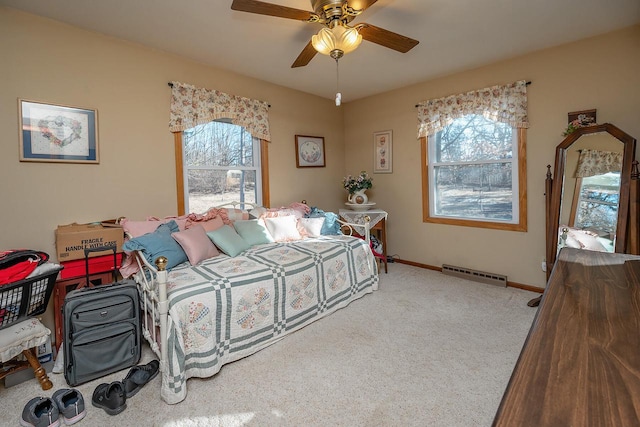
(227, 308)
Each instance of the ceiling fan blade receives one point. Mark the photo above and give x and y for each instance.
(305, 56)
(361, 4)
(386, 38)
(262, 8)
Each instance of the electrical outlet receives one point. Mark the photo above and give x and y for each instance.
(544, 265)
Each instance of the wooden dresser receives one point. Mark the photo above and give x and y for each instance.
(580, 364)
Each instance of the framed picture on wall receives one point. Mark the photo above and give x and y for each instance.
(383, 152)
(57, 133)
(309, 151)
(582, 118)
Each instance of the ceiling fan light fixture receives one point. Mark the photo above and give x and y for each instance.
(339, 38)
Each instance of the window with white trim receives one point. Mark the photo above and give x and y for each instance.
(474, 166)
(471, 167)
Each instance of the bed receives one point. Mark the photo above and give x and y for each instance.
(200, 317)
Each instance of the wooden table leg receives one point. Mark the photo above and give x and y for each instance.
(39, 371)
(383, 238)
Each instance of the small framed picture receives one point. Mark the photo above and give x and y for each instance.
(383, 152)
(309, 151)
(57, 133)
(582, 118)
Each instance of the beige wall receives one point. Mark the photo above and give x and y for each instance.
(48, 61)
(43, 60)
(600, 72)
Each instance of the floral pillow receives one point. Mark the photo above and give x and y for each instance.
(283, 228)
(310, 227)
(278, 212)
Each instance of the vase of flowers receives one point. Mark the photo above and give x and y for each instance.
(358, 198)
(357, 186)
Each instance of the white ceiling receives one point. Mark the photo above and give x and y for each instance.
(454, 35)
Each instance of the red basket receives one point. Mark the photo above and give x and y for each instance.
(26, 298)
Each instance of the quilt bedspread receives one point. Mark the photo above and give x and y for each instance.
(228, 308)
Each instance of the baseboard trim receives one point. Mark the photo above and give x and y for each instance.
(434, 268)
(417, 264)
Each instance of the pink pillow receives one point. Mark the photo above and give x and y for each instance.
(212, 224)
(138, 228)
(196, 244)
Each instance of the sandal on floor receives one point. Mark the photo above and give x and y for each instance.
(138, 376)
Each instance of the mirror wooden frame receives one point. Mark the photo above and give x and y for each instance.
(553, 188)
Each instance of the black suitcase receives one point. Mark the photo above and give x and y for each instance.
(101, 328)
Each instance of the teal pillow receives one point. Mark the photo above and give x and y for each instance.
(253, 231)
(228, 241)
(157, 244)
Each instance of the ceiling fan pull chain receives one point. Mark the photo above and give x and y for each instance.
(338, 94)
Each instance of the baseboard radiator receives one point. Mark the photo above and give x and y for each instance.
(475, 275)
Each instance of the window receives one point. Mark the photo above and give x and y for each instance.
(474, 174)
(597, 203)
(219, 162)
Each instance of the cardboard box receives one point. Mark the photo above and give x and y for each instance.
(71, 240)
(99, 264)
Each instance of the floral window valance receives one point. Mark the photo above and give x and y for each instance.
(504, 104)
(192, 106)
(594, 162)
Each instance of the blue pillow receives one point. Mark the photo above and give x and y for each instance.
(331, 225)
(228, 240)
(157, 244)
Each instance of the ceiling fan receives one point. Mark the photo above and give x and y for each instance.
(337, 37)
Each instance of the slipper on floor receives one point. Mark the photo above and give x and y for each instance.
(138, 376)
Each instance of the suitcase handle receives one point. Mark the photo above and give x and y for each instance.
(113, 248)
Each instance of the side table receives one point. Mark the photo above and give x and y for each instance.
(63, 287)
(378, 223)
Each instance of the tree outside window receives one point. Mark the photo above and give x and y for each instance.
(221, 163)
(473, 174)
(597, 207)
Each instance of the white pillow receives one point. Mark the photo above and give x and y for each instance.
(283, 228)
(312, 226)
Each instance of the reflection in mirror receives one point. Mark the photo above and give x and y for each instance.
(591, 192)
(584, 199)
(595, 205)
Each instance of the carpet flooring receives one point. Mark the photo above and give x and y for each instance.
(426, 349)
